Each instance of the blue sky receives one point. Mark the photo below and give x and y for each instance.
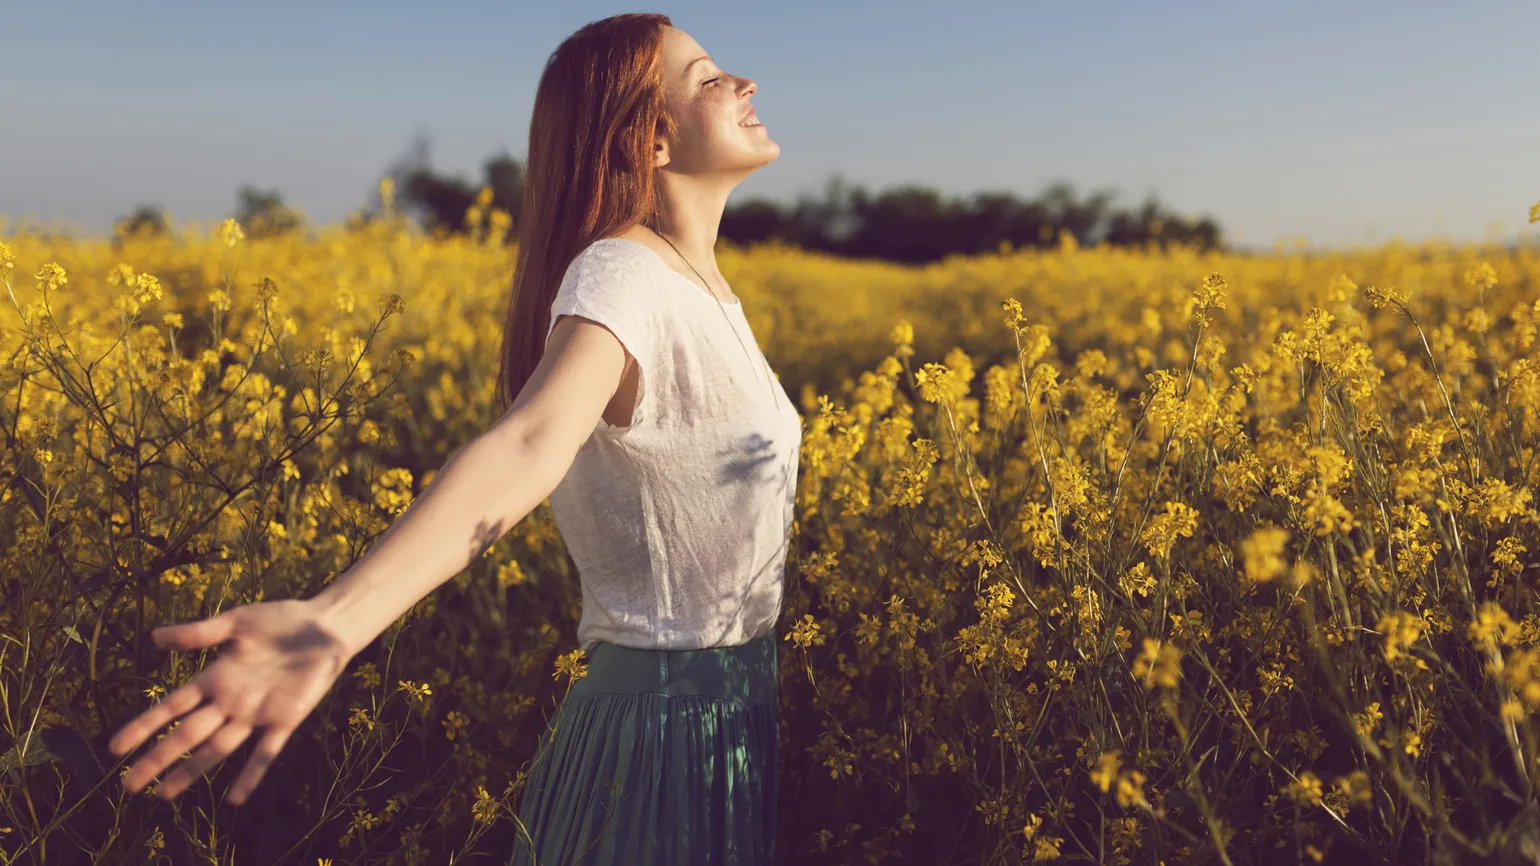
(1346, 122)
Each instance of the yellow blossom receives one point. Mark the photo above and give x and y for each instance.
(902, 337)
(455, 724)
(569, 665)
(1106, 771)
(1366, 722)
(805, 633)
(1481, 277)
(415, 692)
(1211, 292)
(51, 277)
(367, 675)
(1178, 520)
(938, 384)
(230, 232)
(1158, 664)
(1354, 789)
(1306, 789)
(1342, 287)
(1262, 553)
(1379, 297)
(1138, 579)
(1401, 629)
(1014, 318)
(1492, 627)
(485, 809)
(1131, 789)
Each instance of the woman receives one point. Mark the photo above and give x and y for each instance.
(646, 413)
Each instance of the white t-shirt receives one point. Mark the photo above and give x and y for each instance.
(679, 523)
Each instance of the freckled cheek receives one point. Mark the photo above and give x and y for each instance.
(718, 115)
(721, 118)
(694, 124)
(705, 122)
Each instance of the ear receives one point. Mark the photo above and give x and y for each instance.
(660, 155)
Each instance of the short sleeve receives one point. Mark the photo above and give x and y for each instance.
(609, 283)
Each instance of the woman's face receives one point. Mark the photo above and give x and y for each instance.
(711, 109)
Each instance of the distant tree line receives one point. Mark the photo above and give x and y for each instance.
(261, 213)
(908, 223)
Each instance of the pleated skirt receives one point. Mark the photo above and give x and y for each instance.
(658, 757)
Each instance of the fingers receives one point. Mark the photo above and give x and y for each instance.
(192, 731)
(215, 749)
(196, 635)
(262, 758)
(181, 701)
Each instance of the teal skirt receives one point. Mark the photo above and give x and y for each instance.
(658, 757)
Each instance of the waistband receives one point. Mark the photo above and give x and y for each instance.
(747, 673)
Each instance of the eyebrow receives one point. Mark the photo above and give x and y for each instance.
(695, 61)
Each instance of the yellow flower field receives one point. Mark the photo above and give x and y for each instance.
(1100, 555)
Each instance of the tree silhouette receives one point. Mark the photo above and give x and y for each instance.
(439, 202)
(906, 223)
(147, 219)
(262, 213)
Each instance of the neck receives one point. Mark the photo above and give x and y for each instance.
(692, 216)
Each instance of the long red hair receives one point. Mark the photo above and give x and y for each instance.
(589, 172)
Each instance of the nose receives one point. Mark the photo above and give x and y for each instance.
(750, 87)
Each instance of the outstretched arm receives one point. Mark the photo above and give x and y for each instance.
(485, 488)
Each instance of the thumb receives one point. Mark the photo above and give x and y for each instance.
(195, 635)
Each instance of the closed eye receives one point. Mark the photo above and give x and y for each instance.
(707, 81)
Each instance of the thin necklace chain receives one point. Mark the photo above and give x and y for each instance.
(730, 325)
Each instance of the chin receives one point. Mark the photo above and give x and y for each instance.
(752, 159)
(768, 151)
(763, 161)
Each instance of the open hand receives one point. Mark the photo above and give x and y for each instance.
(281, 660)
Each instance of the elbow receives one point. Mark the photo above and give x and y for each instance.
(532, 454)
